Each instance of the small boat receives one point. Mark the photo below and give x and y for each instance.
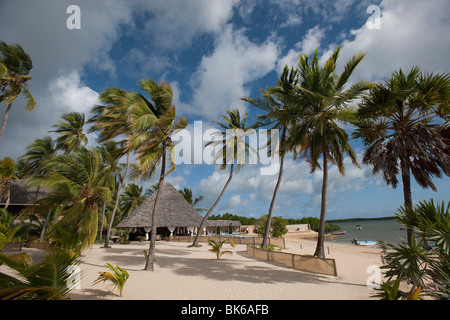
(338, 233)
(358, 227)
(363, 242)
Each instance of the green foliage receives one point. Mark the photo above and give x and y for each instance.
(314, 224)
(429, 258)
(228, 216)
(217, 248)
(51, 279)
(278, 226)
(9, 232)
(118, 278)
(15, 67)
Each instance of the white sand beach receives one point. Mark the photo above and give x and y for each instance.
(195, 273)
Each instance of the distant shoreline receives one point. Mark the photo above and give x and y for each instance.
(361, 219)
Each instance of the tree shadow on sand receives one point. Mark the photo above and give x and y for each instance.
(247, 270)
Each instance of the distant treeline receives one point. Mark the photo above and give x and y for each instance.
(363, 219)
(313, 222)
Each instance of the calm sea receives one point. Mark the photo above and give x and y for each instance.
(384, 230)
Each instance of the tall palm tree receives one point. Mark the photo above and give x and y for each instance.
(7, 175)
(402, 134)
(322, 103)
(15, 67)
(275, 102)
(154, 123)
(70, 129)
(111, 152)
(233, 147)
(111, 120)
(78, 182)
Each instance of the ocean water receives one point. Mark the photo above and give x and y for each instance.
(376, 230)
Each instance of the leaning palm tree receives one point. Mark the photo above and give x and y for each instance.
(71, 134)
(233, 148)
(111, 120)
(275, 103)
(154, 122)
(79, 183)
(15, 67)
(400, 130)
(322, 100)
(7, 175)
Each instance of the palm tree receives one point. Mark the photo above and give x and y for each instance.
(79, 183)
(71, 132)
(321, 102)
(38, 153)
(275, 102)
(189, 197)
(15, 67)
(131, 198)
(7, 175)
(153, 124)
(52, 279)
(401, 133)
(111, 152)
(112, 120)
(233, 148)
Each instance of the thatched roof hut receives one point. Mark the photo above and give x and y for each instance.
(174, 211)
(22, 196)
(222, 223)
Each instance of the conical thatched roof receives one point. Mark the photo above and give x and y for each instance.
(173, 211)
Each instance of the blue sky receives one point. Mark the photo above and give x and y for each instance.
(213, 52)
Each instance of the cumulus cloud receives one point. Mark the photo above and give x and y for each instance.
(300, 190)
(222, 78)
(412, 33)
(69, 95)
(59, 56)
(174, 25)
(310, 42)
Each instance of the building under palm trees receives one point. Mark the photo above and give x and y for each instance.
(175, 217)
(22, 196)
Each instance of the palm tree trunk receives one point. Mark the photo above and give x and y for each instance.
(407, 196)
(5, 119)
(265, 242)
(44, 227)
(8, 196)
(320, 251)
(108, 233)
(103, 219)
(196, 240)
(151, 250)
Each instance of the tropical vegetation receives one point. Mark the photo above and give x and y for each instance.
(216, 247)
(403, 123)
(232, 148)
(425, 264)
(118, 278)
(15, 67)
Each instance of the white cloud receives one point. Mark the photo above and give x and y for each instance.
(176, 23)
(300, 189)
(308, 45)
(68, 94)
(412, 33)
(222, 77)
